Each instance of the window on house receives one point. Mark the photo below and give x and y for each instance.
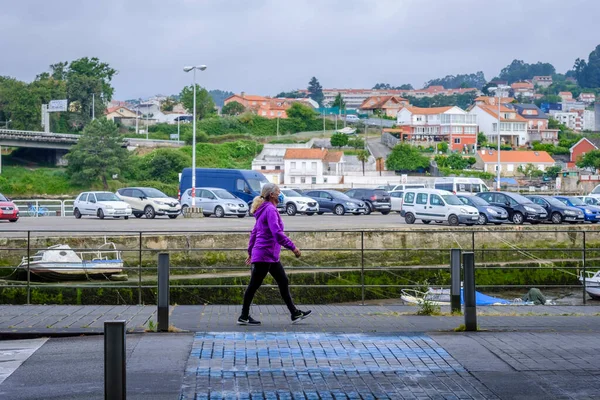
(313, 165)
(302, 180)
(510, 168)
(293, 164)
(457, 140)
(324, 180)
(292, 180)
(303, 165)
(313, 180)
(495, 127)
(277, 167)
(263, 167)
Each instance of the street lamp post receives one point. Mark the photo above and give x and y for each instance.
(188, 69)
(498, 91)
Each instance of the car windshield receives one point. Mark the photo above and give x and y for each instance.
(223, 194)
(478, 201)
(2, 198)
(576, 202)
(255, 184)
(107, 197)
(520, 199)
(452, 200)
(554, 202)
(154, 193)
(290, 193)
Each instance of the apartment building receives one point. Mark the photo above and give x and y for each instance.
(513, 127)
(267, 107)
(313, 166)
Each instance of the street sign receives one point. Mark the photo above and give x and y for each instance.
(558, 183)
(404, 178)
(57, 105)
(173, 136)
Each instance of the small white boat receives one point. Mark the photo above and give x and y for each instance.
(592, 283)
(441, 297)
(61, 262)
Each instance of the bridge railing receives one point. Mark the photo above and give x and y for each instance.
(36, 133)
(44, 207)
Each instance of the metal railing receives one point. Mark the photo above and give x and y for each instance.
(45, 207)
(359, 265)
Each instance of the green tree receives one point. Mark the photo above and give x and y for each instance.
(553, 171)
(205, 106)
(98, 154)
(167, 105)
(519, 70)
(363, 157)
(456, 161)
(530, 170)
(481, 139)
(443, 147)
(356, 142)
(315, 90)
(590, 160)
(476, 80)
(163, 165)
(339, 139)
(387, 86)
(339, 102)
(588, 73)
(405, 157)
(233, 108)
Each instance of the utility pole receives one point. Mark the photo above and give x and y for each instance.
(93, 106)
(278, 125)
(178, 121)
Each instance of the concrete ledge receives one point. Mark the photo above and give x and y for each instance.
(193, 212)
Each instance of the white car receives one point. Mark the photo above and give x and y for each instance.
(396, 200)
(215, 201)
(294, 203)
(436, 205)
(100, 204)
(595, 193)
(352, 118)
(149, 202)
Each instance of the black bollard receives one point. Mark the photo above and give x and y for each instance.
(469, 291)
(455, 280)
(163, 292)
(114, 360)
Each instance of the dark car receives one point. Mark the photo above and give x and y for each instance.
(375, 199)
(487, 212)
(590, 213)
(558, 212)
(520, 209)
(336, 202)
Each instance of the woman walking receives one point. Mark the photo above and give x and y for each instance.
(266, 240)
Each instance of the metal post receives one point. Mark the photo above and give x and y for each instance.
(163, 292)
(93, 106)
(140, 272)
(115, 373)
(178, 121)
(0, 159)
(583, 273)
(362, 266)
(499, 187)
(194, 147)
(469, 291)
(455, 280)
(28, 267)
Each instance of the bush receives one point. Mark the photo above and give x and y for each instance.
(163, 165)
(237, 155)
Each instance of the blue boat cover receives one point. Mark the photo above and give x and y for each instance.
(483, 299)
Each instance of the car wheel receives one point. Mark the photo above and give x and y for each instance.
(183, 208)
(426, 222)
(369, 208)
(290, 209)
(339, 210)
(321, 213)
(149, 212)
(77, 213)
(409, 218)
(497, 223)
(138, 215)
(13, 220)
(557, 218)
(453, 220)
(385, 212)
(241, 216)
(219, 212)
(593, 222)
(309, 214)
(356, 213)
(126, 217)
(206, 215)
(173, 216)
(517, 218)
(100, 213)
(469, 224)
(482, 220)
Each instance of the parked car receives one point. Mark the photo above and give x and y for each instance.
(294, 202)
(336, 202)
(374, 199)
(557, 211)
(396, 200)
(401, 187)
(520, 209)
(149, 202)
(215, 201)
(436, 205)
(465, 186)
(595, 193)
(592, 201)
(590, 213)
(100, 204)
(352, 118)
(8, 209)
(487, 212)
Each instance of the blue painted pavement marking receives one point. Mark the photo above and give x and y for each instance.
(319, 366)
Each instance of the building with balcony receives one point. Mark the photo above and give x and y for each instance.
(566, 96)
(513, 127)
(267, 107)
(523, 89)
(587, 98)
(313, 166)
(537, 123)
(438, 124)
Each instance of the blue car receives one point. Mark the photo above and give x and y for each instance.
(590, 213)
(487, 212)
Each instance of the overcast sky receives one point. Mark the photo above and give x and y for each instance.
(267, 46)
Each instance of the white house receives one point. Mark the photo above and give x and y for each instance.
(448, 124)
(513, 127)
(510, 161)
(312, 166)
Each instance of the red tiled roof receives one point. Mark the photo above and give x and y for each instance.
(308, 154)
(493, 111)
(428, 111)
(379, 102)
(334, 156)
(517, 157)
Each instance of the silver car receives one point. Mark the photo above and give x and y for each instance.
(215, 201)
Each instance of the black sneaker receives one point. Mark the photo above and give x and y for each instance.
(300, 315)
(247, 321)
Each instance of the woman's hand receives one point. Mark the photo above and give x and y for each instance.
(297, 252)
(248, 261)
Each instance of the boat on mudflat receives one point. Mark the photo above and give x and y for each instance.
(592, 283)
(60, 262)
(441, 297)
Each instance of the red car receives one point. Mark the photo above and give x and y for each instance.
(8, 209)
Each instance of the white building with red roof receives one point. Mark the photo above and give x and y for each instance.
(513, 127)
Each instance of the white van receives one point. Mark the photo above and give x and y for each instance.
(401, 187)
(436, 205)
(464, 186)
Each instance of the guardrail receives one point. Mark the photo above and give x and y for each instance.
(336, 266)
(44, 207)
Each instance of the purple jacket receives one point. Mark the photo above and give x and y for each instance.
(267, 237)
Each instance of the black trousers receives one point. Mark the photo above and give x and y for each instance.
(259, 272)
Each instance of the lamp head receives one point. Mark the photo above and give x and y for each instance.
(187, 69)
(201, 67)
